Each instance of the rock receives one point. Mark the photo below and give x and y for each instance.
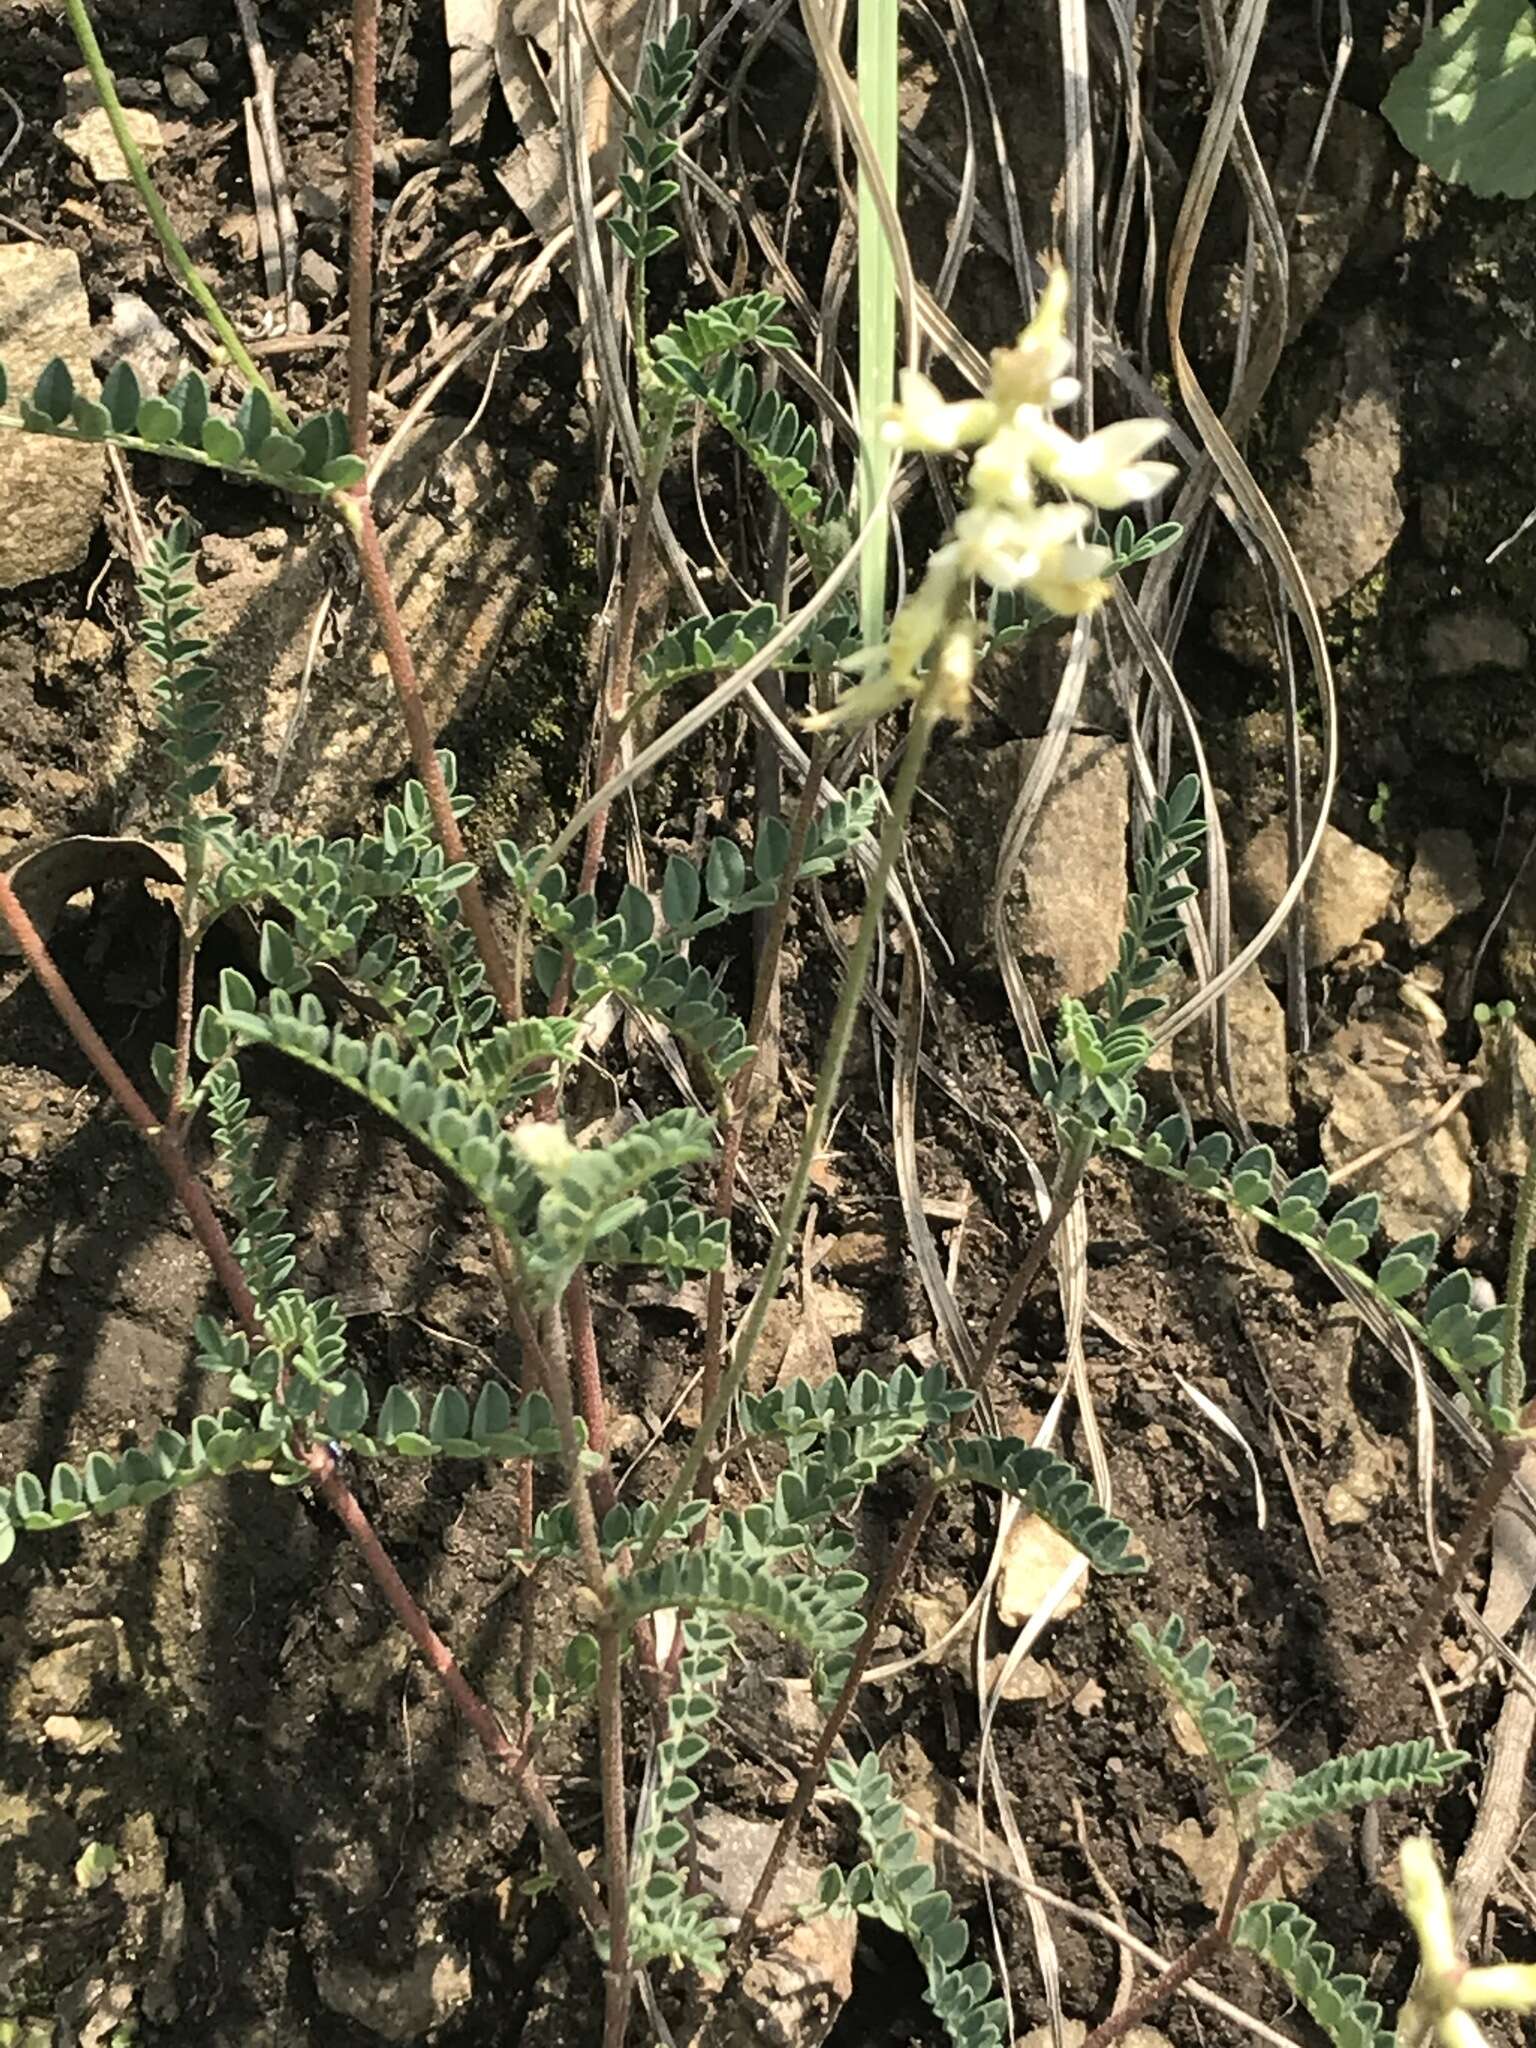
(397, 2005)
(1376, 1080)
(193, 51)
(74, 1676)
(1442, 883)
(1034, 1558)
(1338, 498)
(138, 336)
(1075, 2032)
(183, 90)
(1260, 1057)
(464, 555)
(89, 137)
(1507, 1061)
(1461, 642)
(319, 280)
(792, 1992)
(1349, 889)
(1067, 903)
(50, 494)
(1344, 516)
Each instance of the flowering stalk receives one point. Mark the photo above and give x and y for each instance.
(1008, 535)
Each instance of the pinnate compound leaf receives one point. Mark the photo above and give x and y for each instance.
(1288, 1941)
(1466, 103)
(1050, 1488)
(1358, 1780)
(1226, 1731)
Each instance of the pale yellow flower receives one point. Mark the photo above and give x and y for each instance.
(929, 424)
(1032, 372)
(878, 693)
(953, 667)
(1006, 546)
(1448, 1991)
(1106, 468)
(1073, 579)
(544, 1147)
(1001, 470)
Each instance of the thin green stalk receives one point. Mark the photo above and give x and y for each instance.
(175, 249)
(1512, 1384)
(925, 719)
(877, 79)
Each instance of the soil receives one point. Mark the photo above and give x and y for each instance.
(211, 1687)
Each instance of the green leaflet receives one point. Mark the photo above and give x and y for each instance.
(188, 703)
(313, 463)
(1287, 1940)
(1467, 1340)
(667, 1919)
(712, 1580)
(651, 145)
(1048, 1487)
(1358, 1780)
(491, 1429)
(1466, 102)
(1225, 1730)
(1099, 1052)
(557, 1215)
(213, 1446)
(895, 1886)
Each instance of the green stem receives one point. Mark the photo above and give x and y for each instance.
(1512, 1383)
(877, 64)
(924, 722)
(175, 249)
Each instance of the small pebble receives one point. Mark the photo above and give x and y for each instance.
(192, 51)
(183, 90)
(319, 279)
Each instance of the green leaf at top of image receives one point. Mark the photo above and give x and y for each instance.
(1466, 104)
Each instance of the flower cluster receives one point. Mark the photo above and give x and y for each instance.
(1008, 535)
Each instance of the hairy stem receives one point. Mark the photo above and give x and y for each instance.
(1179, 1971)
(175, 249)
(364, 123)
(330, 1485)
(1513, 1372)
(588, 1376)
(618, 1980)
(402, 669)
(924, 723)
(1508, 1451)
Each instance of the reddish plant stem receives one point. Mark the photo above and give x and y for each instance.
(330, 1485)
(189, 1190)
(588, 1376)
(493, 1738)
(365, 88)
(402, 669)
(740, 1100)
(810, 1778)
(1179, 1971)
(1505, 1463)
